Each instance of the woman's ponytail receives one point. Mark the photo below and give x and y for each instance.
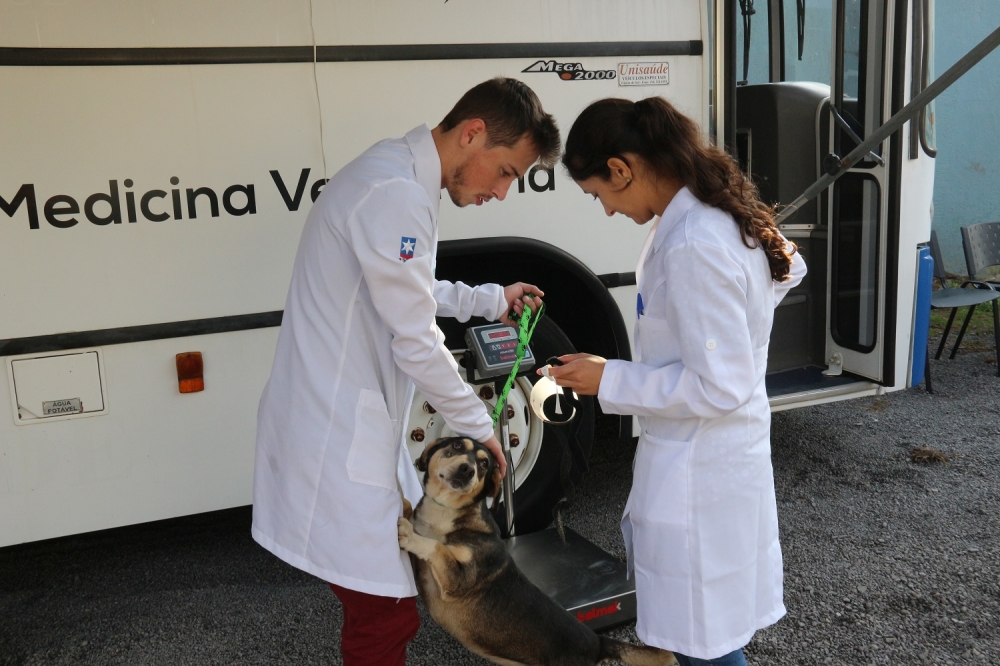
(671, 144)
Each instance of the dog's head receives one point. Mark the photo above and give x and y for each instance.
(458, 472)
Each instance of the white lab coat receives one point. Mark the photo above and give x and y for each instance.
(358, 330)
(701, 525)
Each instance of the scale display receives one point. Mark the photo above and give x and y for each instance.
(495, 349)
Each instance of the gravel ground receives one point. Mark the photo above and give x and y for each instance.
(887, 561)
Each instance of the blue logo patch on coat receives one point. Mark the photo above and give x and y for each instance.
(406, 248)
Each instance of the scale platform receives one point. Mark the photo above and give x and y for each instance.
(577, 575)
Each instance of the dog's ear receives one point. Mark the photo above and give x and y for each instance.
(424, 458)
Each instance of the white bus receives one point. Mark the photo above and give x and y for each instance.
(158, 160)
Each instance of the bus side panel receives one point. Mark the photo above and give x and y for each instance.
(76, 130)
(103, 239)
(915, 212)
(548, 206)
(239, 23)
(155, 23)
(177, 139)
(156, 454)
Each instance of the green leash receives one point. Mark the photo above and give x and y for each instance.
(525, 329)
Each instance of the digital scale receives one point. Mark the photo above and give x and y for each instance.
(578, 575)
(495, 349)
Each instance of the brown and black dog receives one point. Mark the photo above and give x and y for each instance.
(470, 584)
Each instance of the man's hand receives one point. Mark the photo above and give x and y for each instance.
(580, 372)
(517, 295)
(493, 444)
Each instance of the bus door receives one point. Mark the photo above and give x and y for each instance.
(858, 205)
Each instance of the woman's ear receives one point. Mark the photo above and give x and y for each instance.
(621, 173)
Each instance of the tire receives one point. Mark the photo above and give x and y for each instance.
(567, 445)
(550, 466)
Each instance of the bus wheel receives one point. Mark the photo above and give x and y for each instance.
(549, 461)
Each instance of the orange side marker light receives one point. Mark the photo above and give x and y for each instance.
(190, 372)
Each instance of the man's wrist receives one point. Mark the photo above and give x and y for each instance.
(502, 304)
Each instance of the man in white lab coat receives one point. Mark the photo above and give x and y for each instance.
(358, 332)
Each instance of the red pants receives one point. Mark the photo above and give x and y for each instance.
(376, 629)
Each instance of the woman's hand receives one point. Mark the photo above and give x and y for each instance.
(580, 372)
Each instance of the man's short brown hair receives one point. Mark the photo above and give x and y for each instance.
(510, 110)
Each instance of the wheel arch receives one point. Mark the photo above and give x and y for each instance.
(575, 297)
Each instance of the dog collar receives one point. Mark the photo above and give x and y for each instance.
(445, 506)
(438, 503)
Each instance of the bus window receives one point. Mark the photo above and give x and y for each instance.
(854, 277)
(753, 15)
(850, 63)
(808, 36)
(858, 86)
(921, 75)
(928, 138)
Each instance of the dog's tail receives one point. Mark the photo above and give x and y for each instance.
(635, 655)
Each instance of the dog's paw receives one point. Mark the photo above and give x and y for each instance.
(405, 532)
(407, 509)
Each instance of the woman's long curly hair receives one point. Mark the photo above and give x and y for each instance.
(671, 145)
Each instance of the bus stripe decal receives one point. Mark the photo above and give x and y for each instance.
(126, 334)
(223, 55)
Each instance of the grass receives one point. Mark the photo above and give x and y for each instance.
(926, 455)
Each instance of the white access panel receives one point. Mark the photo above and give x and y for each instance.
(55, 387)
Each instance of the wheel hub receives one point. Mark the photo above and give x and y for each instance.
(425, 425)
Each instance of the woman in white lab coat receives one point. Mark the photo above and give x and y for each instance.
(700, 525)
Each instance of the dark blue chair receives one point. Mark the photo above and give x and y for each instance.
(971, 294)
(981, 243)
